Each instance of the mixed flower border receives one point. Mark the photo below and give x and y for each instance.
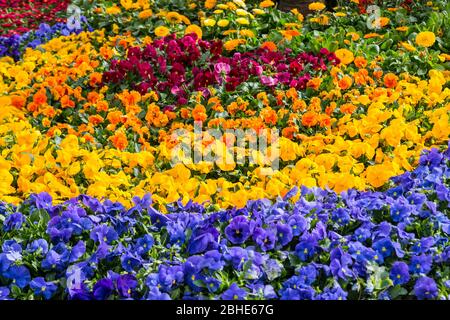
(325, 246)
(268, 239)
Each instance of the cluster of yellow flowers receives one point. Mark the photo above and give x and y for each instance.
(351, 155)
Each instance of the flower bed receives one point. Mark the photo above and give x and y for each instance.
(15, 45)
(196, 65)
(364, 245)
(131, 163)
(19, 16)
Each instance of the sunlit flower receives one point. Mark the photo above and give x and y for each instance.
(145, 14)
(266, 4)
(425, 39)
(243, 21)
(223, 23)
(161, 31)
(209, 4)
(209, 22)
(345, 56)
(316, 6)
(114, 10)
(173, 17)
(407, 46)
(194, 29)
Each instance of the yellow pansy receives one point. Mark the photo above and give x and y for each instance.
(243, 21)
(209, 22)
(161, 31)
(223, 23)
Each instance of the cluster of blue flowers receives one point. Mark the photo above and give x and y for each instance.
(14, 46)
(356, 245)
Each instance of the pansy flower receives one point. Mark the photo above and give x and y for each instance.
(43, 288)
(425, 288)
(239, 230)
(234, 292)
(421, 264)
(399, 273)
(306, 248)
(103, 289)
(19, 275)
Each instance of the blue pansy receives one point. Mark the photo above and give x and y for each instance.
(80, 292)
(334, 293)
(212, 284)
(157, 218)
(300, 292)
(269, 292)
(306, 248)
(155, 294)
(43, 201)
(265, 238)
(43, 288)
(284, 234)
(423, 245)
(126, 284)
(361, 234)
(144, 244)
(359, 252)
(340, 267)
(104, 234)
(13, 221)
(5, 263)
(195, 281)
(103, 289)
(395, 192)
(420, 264)
(20, 275)
(307, 274)
(177, 233)
(425, 288)
(212, 260)
(399, 273)
(431, 158)
(4, 293)
(298, 223)
(234, 293)
(341, 216)
(384, 247)
(56, 258)
(273, 269)
(203, 238)
(130, 262)
(170, 276)
(11, 245)
(77, 251)
(38, 246)
(239, 230)
(400, 210)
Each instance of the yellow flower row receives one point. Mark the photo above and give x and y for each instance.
(31, 162)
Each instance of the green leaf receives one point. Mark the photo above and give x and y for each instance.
(373, 49)
(16, 291)
(398, 291)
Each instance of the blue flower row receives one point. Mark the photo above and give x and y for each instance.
(356, 245)
(14, 46)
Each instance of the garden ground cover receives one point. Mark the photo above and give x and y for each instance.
(358, 207)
